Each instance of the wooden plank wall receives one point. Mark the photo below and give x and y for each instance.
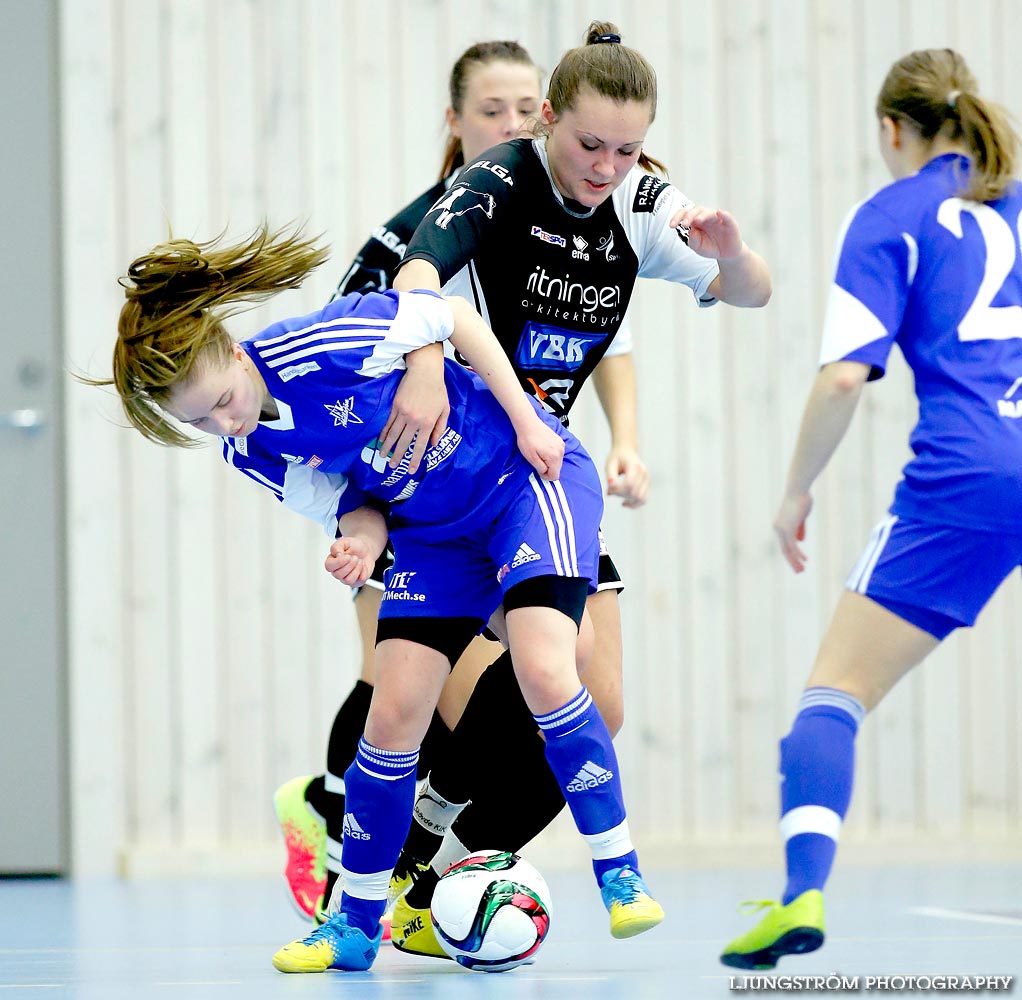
(209, 651)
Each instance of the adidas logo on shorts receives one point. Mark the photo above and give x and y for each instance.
(589, 775)
(524, 555)
(352, 829)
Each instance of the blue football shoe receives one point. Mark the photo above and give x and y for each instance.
(632, 909)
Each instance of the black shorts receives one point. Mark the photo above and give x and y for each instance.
(609, 578)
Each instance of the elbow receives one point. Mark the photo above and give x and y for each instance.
(764, 287)
(845, 378)
(764, 293)
(751, 298)
(752, 290)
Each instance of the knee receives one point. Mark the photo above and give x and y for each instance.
(389, 727)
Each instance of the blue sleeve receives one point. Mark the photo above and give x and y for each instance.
(868, 296)
(322, 497)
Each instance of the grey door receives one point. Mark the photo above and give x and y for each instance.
(33, 800)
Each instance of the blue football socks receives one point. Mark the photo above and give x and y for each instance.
(380, 787)
(817, 769)
(581, 755)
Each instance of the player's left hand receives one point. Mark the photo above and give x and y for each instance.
(627, 477)
(542, 447)
(418, 417)
(790, 527)
(710, 232)
(350, 560)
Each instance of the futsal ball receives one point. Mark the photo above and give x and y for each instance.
(491, 911)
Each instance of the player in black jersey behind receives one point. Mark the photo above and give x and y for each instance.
(494, 88)
(546, 236)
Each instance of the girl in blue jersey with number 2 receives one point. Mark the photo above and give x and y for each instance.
(931, 263)
(300, 408)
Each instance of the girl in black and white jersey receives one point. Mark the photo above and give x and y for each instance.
(546, 236)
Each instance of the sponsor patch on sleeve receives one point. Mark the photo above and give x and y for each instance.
(647, 193)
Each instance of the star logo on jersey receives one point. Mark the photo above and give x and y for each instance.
(343, 412)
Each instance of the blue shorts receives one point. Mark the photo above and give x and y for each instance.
(545, 529)
(936, 577)
(609, 577)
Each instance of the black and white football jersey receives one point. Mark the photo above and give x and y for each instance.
(553, 278)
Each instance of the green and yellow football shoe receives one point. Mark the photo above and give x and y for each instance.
(785, 930)
(412, 931)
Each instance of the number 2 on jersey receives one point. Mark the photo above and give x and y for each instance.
(984, 321)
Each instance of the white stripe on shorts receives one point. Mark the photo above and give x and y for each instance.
(810, 819)
(862, 572)
(557, 490)
(553, 506)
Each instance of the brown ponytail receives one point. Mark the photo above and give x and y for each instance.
(935, 90)
(177, 296)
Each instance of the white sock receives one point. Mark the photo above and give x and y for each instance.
(450, 850)
(433, 812)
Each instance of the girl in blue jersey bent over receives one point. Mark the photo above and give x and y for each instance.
(931, 263)
(494, 87)
(300, 408)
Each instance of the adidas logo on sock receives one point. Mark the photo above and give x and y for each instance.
(524, 555)
(352, 829)
(589, 775)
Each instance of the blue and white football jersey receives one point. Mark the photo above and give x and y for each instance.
(333, 375)
(941, 276)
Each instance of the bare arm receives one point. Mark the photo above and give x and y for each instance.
(540, 444)
(418, 416)
(417, 274)
(828, 413)
(627, 475)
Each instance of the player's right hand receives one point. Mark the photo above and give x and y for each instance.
(418, 417)
(543, 448)
(627, 477)
(349, 560)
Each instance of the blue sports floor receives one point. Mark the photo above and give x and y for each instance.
(214, 939)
